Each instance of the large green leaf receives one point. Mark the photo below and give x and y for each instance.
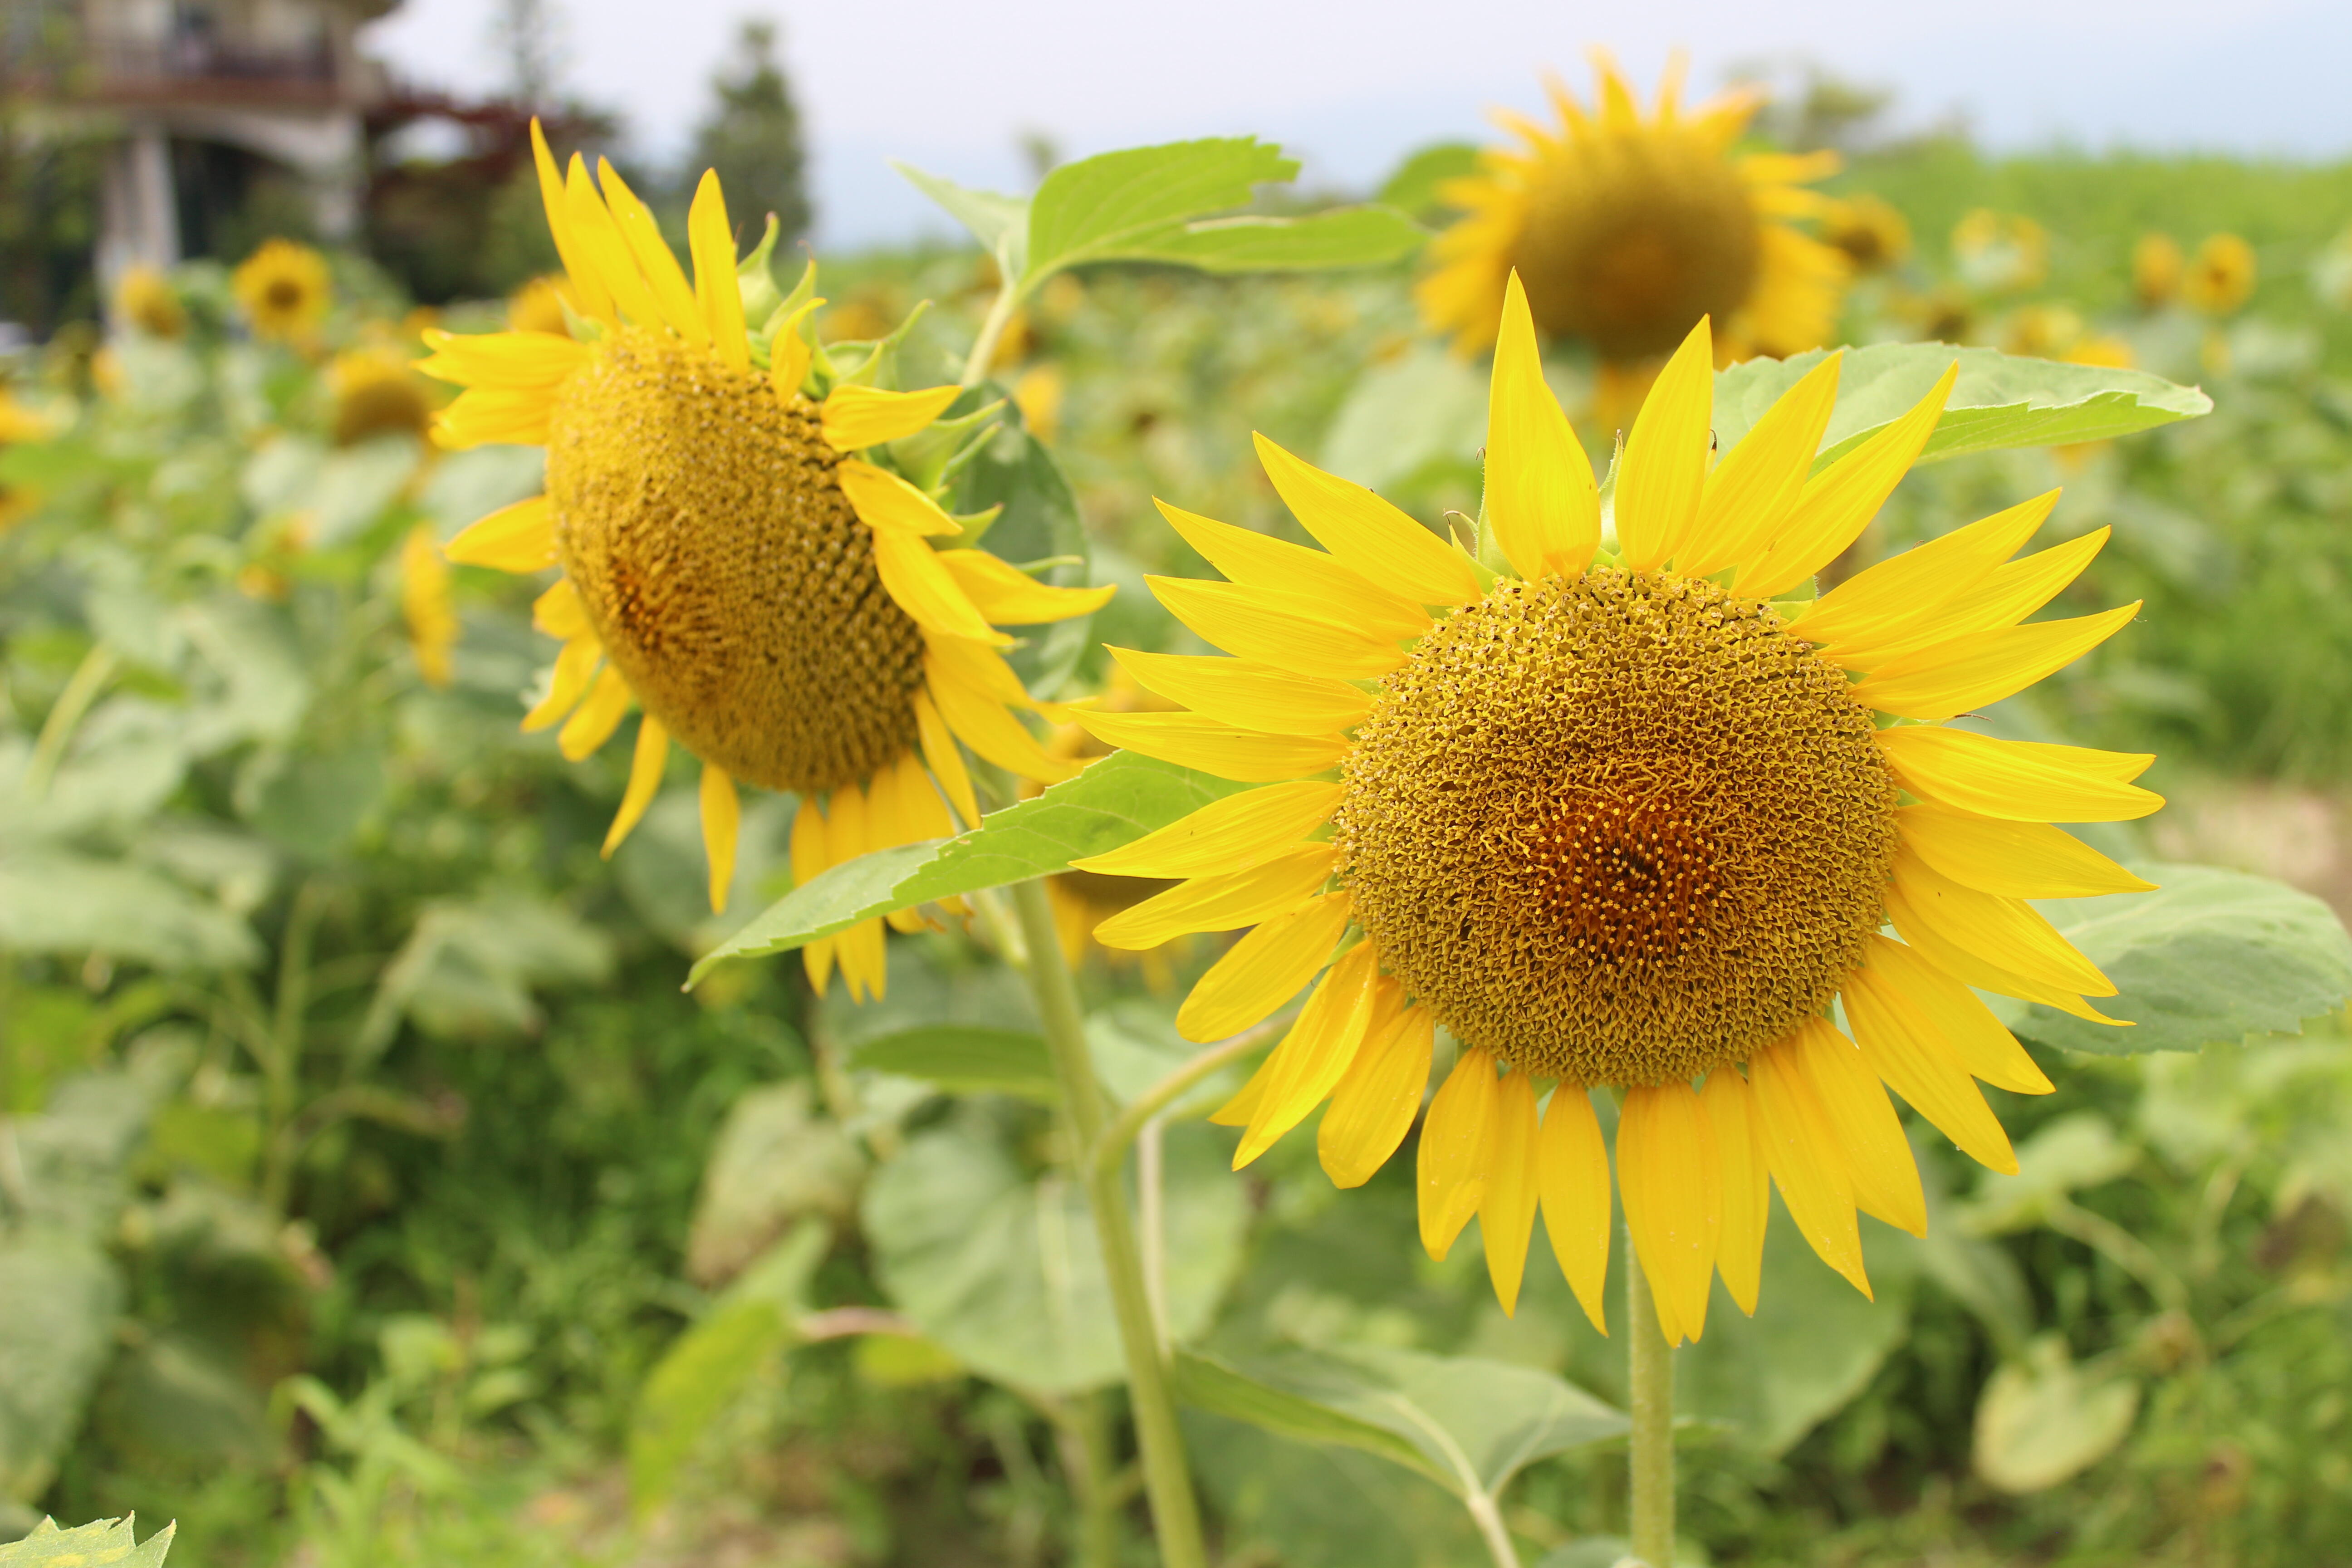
(1343, 236)
(102, 1544)
(1324, 1505)
(778, 1161)
(1115, 801)
(1999, 400)
(963, 1058)
(1000, 1266)
(1468, 1424)
(1115, 205)
(2212, 956)
(1000, 223)
(56, 903)
(59, 1293)
(2045, 1419)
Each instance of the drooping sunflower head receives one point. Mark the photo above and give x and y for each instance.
(284, 291)
(744, 528)
(1619, 805)
(1626, 230)
(145, 297)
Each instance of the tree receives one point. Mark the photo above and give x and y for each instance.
(752, 137)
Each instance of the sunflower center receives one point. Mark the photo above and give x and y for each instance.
(283, 294)
(729, 576)
(1618, 830)
(1630, 239)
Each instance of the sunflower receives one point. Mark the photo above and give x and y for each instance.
(1627, 818)
(145, 297)
(376, 392)
(2221, 279)
(735, 560)
(425, 604)
(2157, 269)
(1874, 236)
(283, 287)
(1627, 231)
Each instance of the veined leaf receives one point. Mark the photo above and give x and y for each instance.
(1999, 400)
(1468, 1425)
(112, 1541)
(2210, 957)
(1098, 208)
(1342, 236)
(1001, 223)
(1413, 187)
(964, 1060)
(1115, 801)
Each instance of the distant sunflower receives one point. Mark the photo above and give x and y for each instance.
(1626, 231)
(732, 565)
(427, 605)
(1620, 819)
(2221, 279)
(284, 291)
(2157, 267)
(377, 393)
(1874, 236)
(145, 297)
(18, 423)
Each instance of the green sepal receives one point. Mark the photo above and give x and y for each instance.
(975, 523)
(934, 454)
(756, 282)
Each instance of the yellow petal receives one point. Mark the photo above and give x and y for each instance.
(673, 297)
(1839, 502)
(1664, 471)
(1866, 1135)
(2020, 781)
(861, 951)
(1229, 835)
(789, 354)
(1222, 903)
(2015, 859)
(594, 299)
(1754, 488)
(1450, 1168)
(1373, 1107)
(2005, 931)
(1367, 535)
(1541, 500)
(1009, 597)
(1254, 561)
(1887, 599)
(1237, 1111)
(717, 298)
(1977, 1040)
(593, 721)
(1982, 667)
(601, 247)
(1671, 1185)
(1930, 942)
(976, 718)
(2013, 591)
(918, 584)
(1263, 969)
(519, 362)
(518, 538)
(980, 667)
(1572, 1180)
(723, 818)
(1192, 741)
(1507, 1209)
(859, 417)
(644, 778)
(1251, 696)
(575, 669)
(946, 762)
(922, 814)
(1317, 1053)
(1288, 631)
(485, 414)
(1800, 1147)
(1908, 1051)
(559, 611)
(1747, 1183)
(812, 856)
(883, 500)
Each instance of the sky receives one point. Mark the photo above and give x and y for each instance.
(1351, 86)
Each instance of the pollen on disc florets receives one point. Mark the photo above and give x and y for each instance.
(1631, 238)
(700, 517)
(1621, 829)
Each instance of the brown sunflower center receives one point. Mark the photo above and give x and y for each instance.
(282, 294)
(729, 576)
(1631, 238)
(1619, 830)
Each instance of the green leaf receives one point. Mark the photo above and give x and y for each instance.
(777, 1161)
(56, 903)
(1342, 236)
(1325, 1506)
(1000, 223)
(2076, 1151)
(965, 1060)
(1999, 400)
(2043, 1421)
(2212, 956)
(1115, 801)
(102, 1544)
(1413, 188)
(1468, 1424)
(1115, 206)
(1040, 521)
(60, 1294)
(1000, 1266)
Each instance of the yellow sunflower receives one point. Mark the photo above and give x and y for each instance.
(1628, 230)
(736, 561)
(377, 393)
(1619, 814)
(1874, 236)
(2221, 279)
(284, 290)
(145, 297)
(2157, 267)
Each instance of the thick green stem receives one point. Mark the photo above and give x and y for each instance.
(1175, 1516)
(1651, 1456)
(991, 331)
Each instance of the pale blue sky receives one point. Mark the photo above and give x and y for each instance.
(1352, 84)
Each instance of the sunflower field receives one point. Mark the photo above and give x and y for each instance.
(1209, 879)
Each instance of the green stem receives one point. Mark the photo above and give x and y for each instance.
(1650, 1360)
(1175, 1516)
(88, 680)
(983, 348)
(283, 1070)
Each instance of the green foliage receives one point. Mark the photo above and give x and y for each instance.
(102, 1544)
(962, 1059)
